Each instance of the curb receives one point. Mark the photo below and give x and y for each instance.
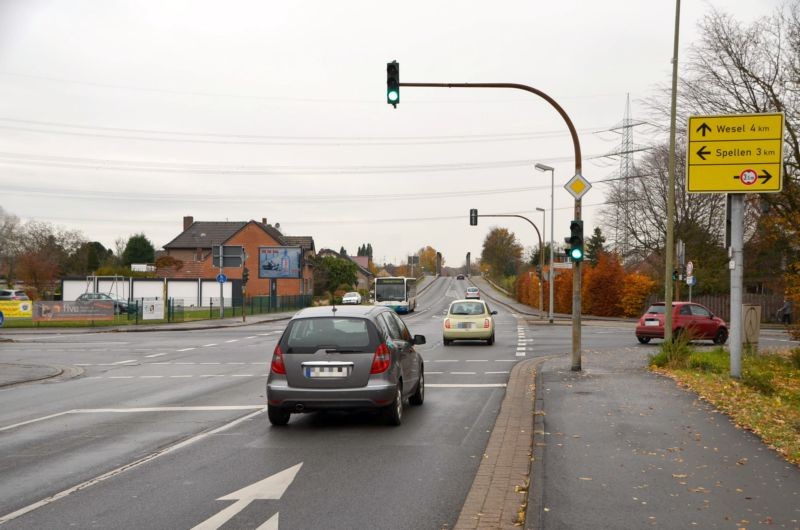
(498, 496)
(55, 371)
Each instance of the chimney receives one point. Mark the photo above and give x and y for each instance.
(187, 222)
(263, 220)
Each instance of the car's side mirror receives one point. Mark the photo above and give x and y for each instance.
(493, 313)
(419, 339)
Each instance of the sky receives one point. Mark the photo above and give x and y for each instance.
(122, 117)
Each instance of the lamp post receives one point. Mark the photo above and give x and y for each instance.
(541, 264)
(542, 167)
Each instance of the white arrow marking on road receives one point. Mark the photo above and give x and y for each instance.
(272, 487)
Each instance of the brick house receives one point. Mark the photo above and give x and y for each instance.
(193, 247)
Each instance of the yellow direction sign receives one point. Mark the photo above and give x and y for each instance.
(741, 153)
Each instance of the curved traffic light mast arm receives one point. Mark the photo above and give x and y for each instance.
(573, 133)
(576, 276)
(520, 217)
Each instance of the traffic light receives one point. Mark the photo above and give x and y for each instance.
(393, 83)
(576, 240)
(245, 275)
(674, 275)
(473, 217)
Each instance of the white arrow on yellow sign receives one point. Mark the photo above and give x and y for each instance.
(740, 153)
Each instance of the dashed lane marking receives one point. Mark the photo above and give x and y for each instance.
(208, 345)
(187, 349)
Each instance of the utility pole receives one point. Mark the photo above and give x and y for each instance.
(670, 250)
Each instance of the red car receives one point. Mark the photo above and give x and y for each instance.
(687, 317)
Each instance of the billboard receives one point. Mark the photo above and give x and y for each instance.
(61, 311)
(279, 262)
(16, 308)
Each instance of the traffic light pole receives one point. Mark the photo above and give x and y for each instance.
(541, 254)
(576, 278)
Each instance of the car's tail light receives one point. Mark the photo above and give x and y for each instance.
(486, 323)
(277, 366)
(447, 323)
(382, 359)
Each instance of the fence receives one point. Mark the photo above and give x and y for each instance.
(720, 304)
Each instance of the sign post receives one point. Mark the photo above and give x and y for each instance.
(735, 154)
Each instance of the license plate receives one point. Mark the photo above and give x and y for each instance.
(465, 325)
(327, 371)
(651, 322)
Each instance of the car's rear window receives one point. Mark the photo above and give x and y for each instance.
(309, 335)
(467, 308)
(656, 309)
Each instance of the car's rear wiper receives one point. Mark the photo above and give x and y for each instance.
(336, 350)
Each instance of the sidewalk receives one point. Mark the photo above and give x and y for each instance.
(619, 447)
(616, 446)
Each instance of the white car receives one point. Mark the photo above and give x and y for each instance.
(472, 292)
(351, 298)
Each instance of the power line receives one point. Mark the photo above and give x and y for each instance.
(260, 139)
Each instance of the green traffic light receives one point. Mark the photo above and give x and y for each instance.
(576, 254)
(393, 95)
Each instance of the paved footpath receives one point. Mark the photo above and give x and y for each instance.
(618, 447)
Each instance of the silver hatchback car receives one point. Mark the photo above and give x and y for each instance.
(346, 357)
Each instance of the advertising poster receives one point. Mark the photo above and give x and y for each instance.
(152, 309)
(16, 308)
(279, 262)
(60, 311)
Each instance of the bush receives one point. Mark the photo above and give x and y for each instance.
(674, 354)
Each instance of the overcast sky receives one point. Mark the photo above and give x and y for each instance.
(121, 117)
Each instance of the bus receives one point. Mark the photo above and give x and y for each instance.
(397, 292)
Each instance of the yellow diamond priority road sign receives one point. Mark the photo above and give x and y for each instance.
(741, 153)
(577, 186)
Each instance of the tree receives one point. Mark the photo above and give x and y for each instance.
(427, 258)
(501, 252)
(9, 243)
(44, 252)
(331, 272)
(88, 258)
(594, 246)
(342, 251)
(139, 249)
(601, 287)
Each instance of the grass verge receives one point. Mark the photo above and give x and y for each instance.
(766, 400)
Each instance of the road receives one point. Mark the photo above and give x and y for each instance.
(165, 429)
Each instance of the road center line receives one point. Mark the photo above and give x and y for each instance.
(208, 345)
(186, 349)
(155, 355)
(123, 362)
(464, 385)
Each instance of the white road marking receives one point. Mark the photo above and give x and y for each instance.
(151, 376)
(208, 345)
(465, 385)
(462, 373)
(505, 360)
(500, 372)
(520, 354)
(432, 373)
(210, 363)
(136, 463)
(123, 362)
(477, 360)
(180, 376)
(211, 375)
(445, 361)
(121, 377)
(241, 375)
(252, 337)
(155, 355)
(187, 349)
(232, 340)
(20, 424)
(235, 363)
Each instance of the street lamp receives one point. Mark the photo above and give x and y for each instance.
(542, 167)
(541, 265)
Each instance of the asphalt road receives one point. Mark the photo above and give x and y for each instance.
(149, 430)
(166, 429)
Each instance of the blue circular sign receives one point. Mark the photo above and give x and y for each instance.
(2, 318)
(221, 278)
